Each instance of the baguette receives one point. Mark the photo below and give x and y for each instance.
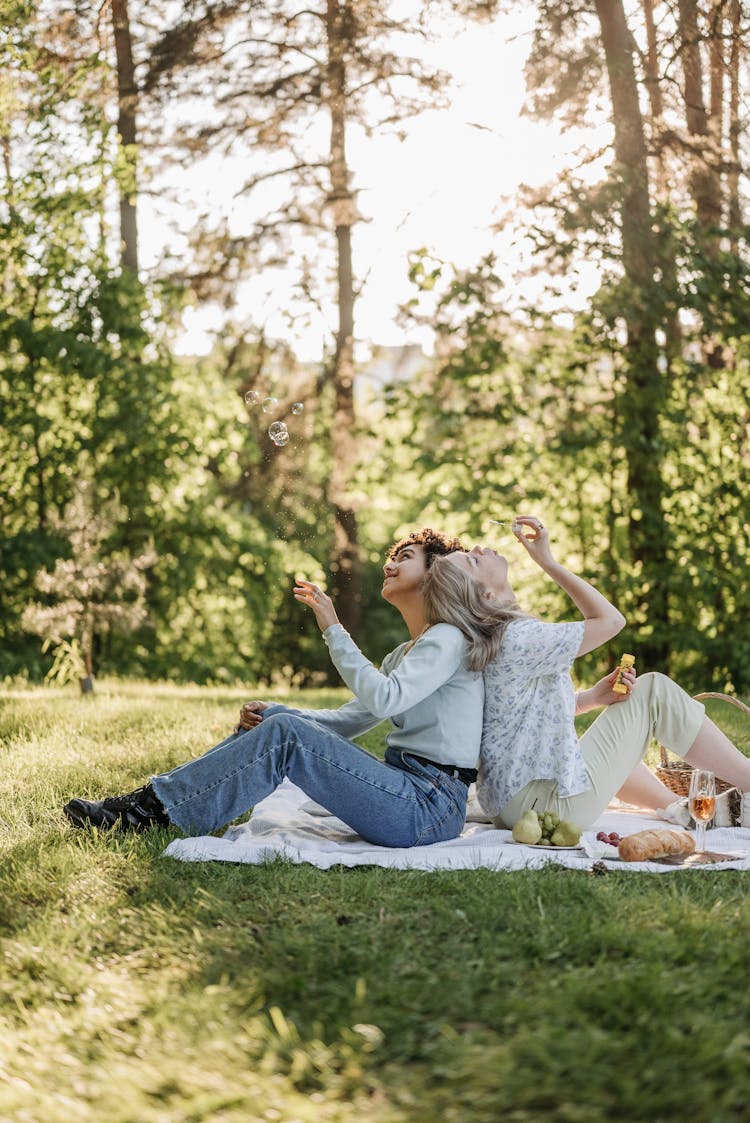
(648, 846)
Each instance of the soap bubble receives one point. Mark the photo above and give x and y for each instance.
(278, 433)
(298, 408)
(252, 397)
(268, 405)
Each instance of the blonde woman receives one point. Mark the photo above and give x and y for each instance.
(530, 753)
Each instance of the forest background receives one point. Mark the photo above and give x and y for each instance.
(149, 525)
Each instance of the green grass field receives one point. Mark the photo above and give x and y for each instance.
(136, 989)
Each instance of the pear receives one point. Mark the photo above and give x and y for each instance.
(566, 834)
(527, 829)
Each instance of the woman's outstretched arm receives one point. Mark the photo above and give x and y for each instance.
(602, 619)
(434, 657)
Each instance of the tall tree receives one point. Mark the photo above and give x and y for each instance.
(279, 71)
(734, 208)
(645, 391)
(702, 128)
(653, 224)
(127, 132)
(346, 562)
(89, 391)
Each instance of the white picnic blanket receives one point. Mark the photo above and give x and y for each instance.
(288, 825)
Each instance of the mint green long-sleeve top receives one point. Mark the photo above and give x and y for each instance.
(433, 702)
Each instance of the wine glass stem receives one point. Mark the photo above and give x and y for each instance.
(700, 835)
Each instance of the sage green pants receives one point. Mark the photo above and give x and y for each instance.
(612, 746)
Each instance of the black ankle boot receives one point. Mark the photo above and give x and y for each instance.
(137, 811)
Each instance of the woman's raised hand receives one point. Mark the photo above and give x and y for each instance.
(321, 604)
(533, 536)
(602, 619)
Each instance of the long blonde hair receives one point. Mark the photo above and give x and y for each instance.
(452, 596)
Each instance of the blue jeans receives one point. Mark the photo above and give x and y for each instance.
(396, 802)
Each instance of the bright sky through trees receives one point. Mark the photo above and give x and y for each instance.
(440, 184)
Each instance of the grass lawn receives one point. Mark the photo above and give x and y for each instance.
(136, 989)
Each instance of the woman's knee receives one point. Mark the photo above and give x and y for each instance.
(657, 683)
(288, 731)
(660, 693)
(650, 684)
(282, 723)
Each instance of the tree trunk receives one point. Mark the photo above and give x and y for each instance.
(87, 647)
(40, 478)
(705, 183)
(127, 104)
(8, 278)
(666, 262)
(656, 102)
(7, 170)
(644, 396)
(735, 126)
(345, 563)
(717, 71)
(705, 176)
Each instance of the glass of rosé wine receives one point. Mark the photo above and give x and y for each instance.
(702, 803)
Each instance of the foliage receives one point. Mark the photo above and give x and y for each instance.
(93, 591)
(263, 80)
(522, 410)
(68, 664)
(293, 84)
(89, 390)
(623, 417)
(624, 421)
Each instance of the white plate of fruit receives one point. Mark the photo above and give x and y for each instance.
(546, 830)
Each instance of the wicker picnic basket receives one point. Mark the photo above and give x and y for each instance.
(675, 774)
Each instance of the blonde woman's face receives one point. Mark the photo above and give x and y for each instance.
(486, 567)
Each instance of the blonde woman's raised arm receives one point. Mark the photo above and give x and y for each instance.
(602, 619)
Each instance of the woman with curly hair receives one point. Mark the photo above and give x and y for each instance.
(415, 796)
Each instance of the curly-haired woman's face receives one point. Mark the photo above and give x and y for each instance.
(404, 573)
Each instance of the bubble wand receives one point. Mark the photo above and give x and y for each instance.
(496, 522)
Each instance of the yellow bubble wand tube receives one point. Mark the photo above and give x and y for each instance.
(626, 663)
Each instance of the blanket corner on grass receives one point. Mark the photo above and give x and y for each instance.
(287, 825)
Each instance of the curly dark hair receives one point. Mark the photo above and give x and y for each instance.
(434, 543)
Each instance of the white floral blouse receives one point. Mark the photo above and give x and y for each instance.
(528, 731)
